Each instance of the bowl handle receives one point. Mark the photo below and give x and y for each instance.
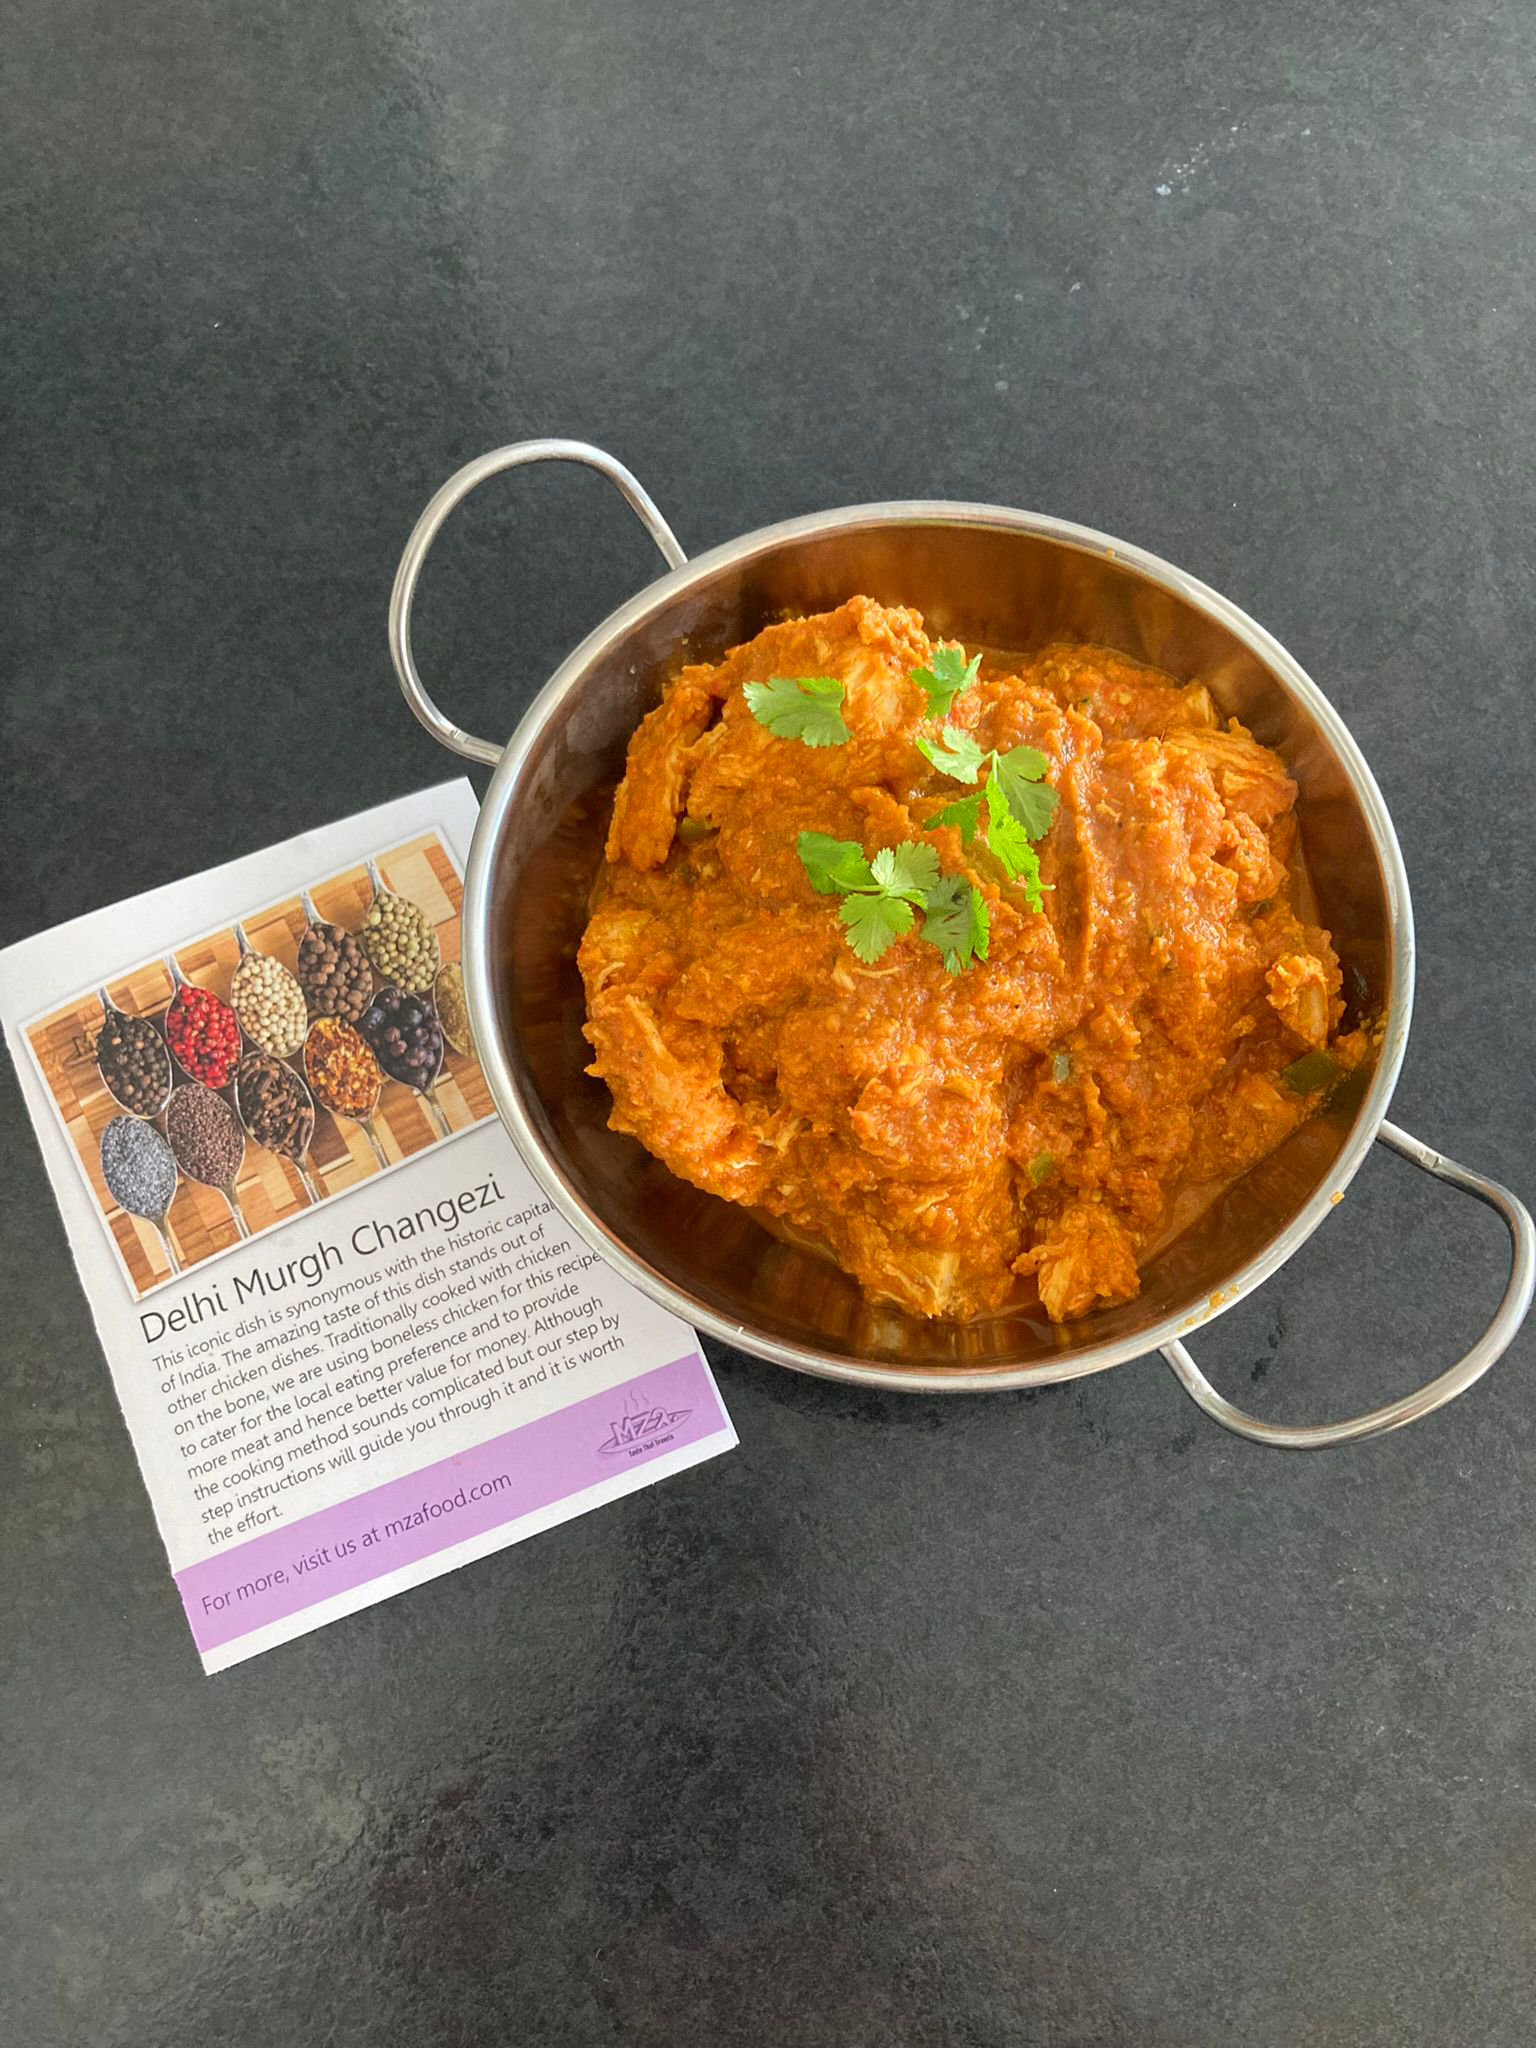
(458, 487)
(1494, 1341)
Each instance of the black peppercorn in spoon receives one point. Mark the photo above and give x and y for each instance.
(332, 968)
(133, 1060)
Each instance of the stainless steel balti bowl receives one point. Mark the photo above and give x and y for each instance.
(982, 574)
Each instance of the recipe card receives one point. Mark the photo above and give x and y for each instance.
(355, 1344)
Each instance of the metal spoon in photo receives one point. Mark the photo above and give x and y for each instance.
(267, 1000)
(140, 1172)
(401, 940)
(132, 1059)
(452, 1008)
(208, 1142)
(201, 1030)
(278, 1112)
(407, 1040)
(332, 969)
(343, 1075)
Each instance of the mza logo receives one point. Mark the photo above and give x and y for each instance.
(639, 1430)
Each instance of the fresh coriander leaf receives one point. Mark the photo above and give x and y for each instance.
(1029, 881)
(1007, 837)
(1026, 761)
(945, 677)
(1016, 776)
(954, 753)
(909, 870)
(800, 708)
(872, 922)
(1041, 1167)
(1061, 1066)
(947, 917)
(965, 813)
(833, 866)
(955, 920)
(1034, 805)
(981, 924)
(880, 896)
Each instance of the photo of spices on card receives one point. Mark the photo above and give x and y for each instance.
(257, 1070)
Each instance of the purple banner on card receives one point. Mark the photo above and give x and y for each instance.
(485, 1487)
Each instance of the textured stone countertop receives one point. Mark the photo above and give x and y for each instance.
(1060, 1718)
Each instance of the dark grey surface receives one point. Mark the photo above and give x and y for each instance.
(1056, 1719)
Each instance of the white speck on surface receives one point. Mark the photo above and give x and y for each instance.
(1077, 286)
(1179, 174)
(1001, 384)
(1182, 174)
(964, 312)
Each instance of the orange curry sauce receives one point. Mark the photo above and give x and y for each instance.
(1034, 1116)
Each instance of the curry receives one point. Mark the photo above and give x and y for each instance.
(970, 970)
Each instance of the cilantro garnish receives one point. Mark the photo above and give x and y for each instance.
(1020, 806)
(1017, 775)
(1041, 1167)
(955, 919)
(1005, 835)
(805, 708)
(954, 753)
(872, 922)
(945, 677)
(833, 866)
(964, 814)
(909, 870)
(879, 896)
(1010, 842)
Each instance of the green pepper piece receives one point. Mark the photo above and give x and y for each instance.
(1312, 1071)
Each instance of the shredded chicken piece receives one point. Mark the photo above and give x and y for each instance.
(1301, 987)
(1087, 1257)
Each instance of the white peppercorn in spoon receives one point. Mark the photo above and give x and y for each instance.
(257, 997)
